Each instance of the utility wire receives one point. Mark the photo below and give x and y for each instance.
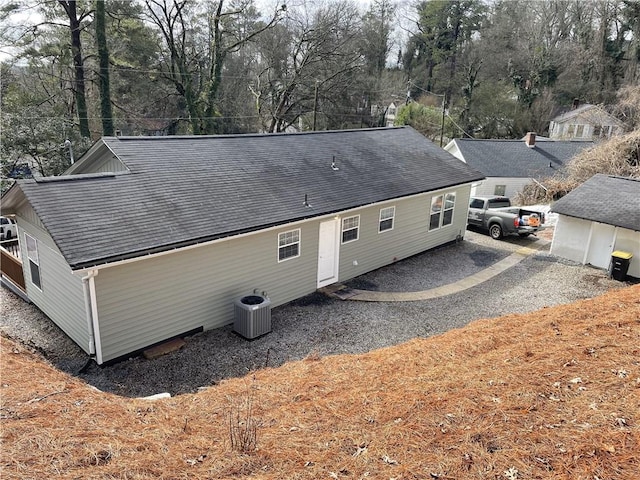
(186, 119)
(426, 91)
(459, 127)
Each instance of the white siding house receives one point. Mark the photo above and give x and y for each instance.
(510, 165)
(586, 122)
(182, 226)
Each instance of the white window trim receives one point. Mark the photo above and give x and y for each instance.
(442, 210)
(342, 229)
(452, 209)
(392, 218)
(432, 213)
(36, 261)
(299, 243)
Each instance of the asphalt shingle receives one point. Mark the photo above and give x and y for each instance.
(186, 190)
(513, 158)
(605, 199)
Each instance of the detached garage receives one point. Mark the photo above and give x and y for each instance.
(596, 219)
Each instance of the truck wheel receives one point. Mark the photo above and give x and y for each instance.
(495, 231)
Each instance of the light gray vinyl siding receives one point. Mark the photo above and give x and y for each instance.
(61, 295)
(144, 302)
(410, 234)
(28, 214)
(108, 164)
(104, 163)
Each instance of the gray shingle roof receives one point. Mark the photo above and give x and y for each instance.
(605, 199)
(512, 158)
(186, 190)
(595, 113)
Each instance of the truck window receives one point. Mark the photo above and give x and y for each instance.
(499, 203)
(476, 203)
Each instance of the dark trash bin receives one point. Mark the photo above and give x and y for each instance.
(619, 265)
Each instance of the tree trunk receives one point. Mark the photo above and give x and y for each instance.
(215, 72)
(76, 50)
(103, 54)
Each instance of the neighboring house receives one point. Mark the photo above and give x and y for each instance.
(509, 165)
(585, 122)
(148, 238)
(599, 217)
(385, 113)
(390, 115)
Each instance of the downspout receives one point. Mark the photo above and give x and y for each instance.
(88, 307)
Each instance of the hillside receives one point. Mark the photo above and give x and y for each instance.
(549, 395)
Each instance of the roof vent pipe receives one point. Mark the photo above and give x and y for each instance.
(530, 139)
(334, 167)
(306, 201)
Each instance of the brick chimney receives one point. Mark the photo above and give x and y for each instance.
(530, 139)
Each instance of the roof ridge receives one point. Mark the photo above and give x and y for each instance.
(246, 135)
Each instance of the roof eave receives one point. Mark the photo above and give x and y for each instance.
(139, 254)
(628, 227)
(12, 198)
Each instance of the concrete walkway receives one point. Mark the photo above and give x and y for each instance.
(345, 293)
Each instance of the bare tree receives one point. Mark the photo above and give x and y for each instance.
(103, 75)
(70, 8)
(197, 52)
(307, 63)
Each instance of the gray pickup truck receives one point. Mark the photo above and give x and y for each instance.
(496, 215)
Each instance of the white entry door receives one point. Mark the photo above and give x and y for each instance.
(601, 245)
(328, 248)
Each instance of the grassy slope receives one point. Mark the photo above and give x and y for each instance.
(552, 394)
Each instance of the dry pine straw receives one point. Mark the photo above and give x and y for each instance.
(551, 394)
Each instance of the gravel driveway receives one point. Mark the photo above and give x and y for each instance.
(316, 324)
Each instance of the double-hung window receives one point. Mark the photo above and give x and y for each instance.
(441, 213)
(350, 228)
(449, 205)
(32, 258)
(386, 218)
(288, 245)
(436, 212)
